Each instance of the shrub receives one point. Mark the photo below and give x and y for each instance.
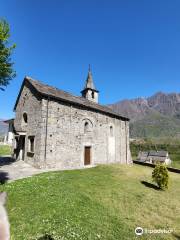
(160, 176)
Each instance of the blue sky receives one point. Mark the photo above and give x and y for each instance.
(133, 46)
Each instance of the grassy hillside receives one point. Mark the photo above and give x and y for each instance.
(155, 125)
(106, 202)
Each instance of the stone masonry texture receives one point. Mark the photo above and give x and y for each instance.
(60, 135)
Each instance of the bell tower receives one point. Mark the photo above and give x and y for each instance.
(89, 92)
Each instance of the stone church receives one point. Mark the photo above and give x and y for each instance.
(54, 129)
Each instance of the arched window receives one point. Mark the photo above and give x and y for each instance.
(86, 127)
(92, 94)
(25, 118)
(111, 131)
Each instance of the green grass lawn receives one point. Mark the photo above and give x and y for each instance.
(105, 202)
(5, 150)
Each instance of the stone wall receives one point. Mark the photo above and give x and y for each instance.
(67, 138)
(29, 103)
(61, 133)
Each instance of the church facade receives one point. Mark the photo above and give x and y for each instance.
(54, 129)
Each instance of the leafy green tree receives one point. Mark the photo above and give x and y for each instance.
(6, 66)
(160, 176)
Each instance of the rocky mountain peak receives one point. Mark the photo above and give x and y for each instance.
(158, 114)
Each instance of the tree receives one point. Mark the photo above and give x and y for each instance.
(160, 176)
(6, 66)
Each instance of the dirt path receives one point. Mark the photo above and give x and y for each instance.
(12, 170)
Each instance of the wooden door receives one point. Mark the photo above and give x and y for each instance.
(87, 155)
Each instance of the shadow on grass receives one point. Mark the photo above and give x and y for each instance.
(176, 236)
(46, 237)
(150, 185)
(4, 177)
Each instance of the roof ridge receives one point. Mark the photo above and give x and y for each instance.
(48, 90)
(35, 80)
(84, 99)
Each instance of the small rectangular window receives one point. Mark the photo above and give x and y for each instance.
(31, 143)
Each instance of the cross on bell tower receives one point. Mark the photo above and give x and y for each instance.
(89, 92)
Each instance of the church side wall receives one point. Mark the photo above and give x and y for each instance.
(29, 103)
(66, 136)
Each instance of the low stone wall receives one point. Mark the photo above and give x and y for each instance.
(170, 169)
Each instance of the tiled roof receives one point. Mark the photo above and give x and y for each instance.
(153, 154)
(157, 153)
(55, 93)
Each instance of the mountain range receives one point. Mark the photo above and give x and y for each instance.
(155, 116)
